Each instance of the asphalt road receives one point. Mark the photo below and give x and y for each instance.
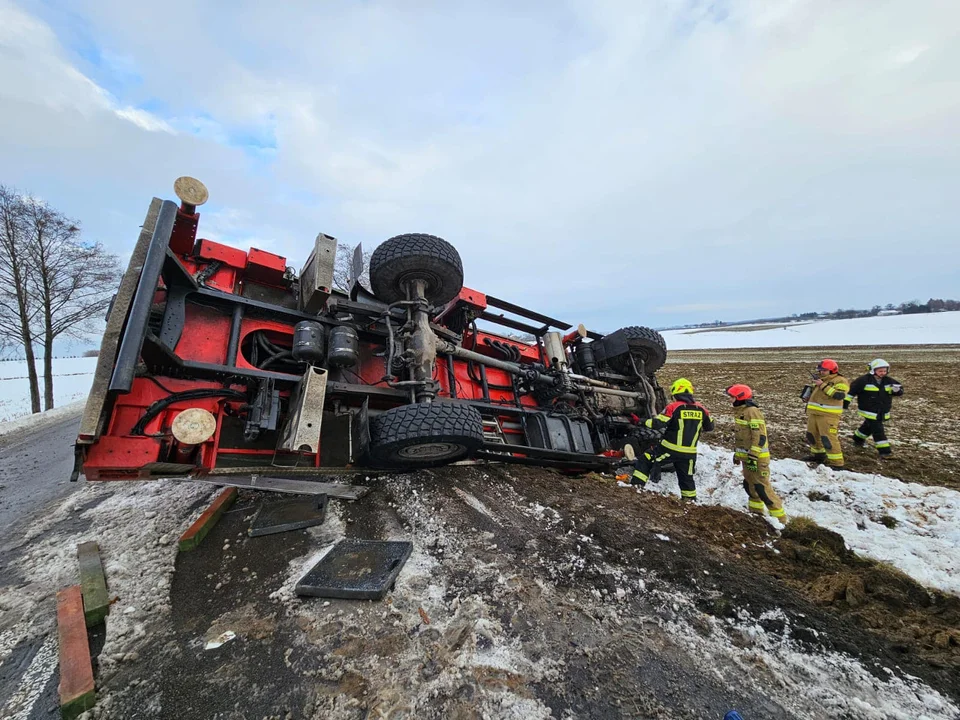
(34, 474)
(34, 471)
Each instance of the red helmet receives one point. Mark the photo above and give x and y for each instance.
(740, 392)
(829, 365)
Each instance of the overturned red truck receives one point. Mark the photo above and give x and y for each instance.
(219, 361)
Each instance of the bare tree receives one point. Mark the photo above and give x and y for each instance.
(342, 263)
(72, 281)
(18, 310)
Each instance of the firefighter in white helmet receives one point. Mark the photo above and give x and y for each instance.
(874, 393)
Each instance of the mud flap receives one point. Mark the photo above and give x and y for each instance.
(360, 434)
(356, 569)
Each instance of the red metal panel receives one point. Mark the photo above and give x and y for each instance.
(278, 333)
(474, 298)
(264, 267)
(114, 455)
(205, 335)
(184, 233)
(211, 250)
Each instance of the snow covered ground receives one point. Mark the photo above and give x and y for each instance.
(922, 539)
(923, 329)
(72, 378)
(136, 526)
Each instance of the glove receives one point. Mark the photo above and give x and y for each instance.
(895, 388)
(751, 464)
(634, 419)
(736, 460)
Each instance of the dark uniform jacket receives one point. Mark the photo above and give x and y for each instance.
(875, 395)
(683, 419)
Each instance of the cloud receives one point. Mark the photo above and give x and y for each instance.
(599, 161)
(143, 119)
(35, 70)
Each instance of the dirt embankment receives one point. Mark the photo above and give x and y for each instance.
(534, 595)
(926, 450)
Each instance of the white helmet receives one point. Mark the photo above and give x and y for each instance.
(877, 364)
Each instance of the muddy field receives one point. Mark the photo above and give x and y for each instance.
(924, 420)
(532, 595)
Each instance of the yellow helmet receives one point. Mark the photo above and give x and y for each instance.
(681, 385)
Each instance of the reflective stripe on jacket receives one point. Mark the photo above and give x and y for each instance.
(829, 396)
(683, 420)
(751, 437)
(874, 395)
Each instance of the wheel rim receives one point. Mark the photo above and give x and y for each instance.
(431, 279)
(431, 451)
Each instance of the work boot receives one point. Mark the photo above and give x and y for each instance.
(859, 442)
(886, 456)
(836, 468)
(814, 458)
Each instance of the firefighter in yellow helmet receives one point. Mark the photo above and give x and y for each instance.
(753, 452)
(682, 421)
(826, 400)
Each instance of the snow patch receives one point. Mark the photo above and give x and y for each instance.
(811, 685)
(915, 528)
(38, 421)
(138, 554)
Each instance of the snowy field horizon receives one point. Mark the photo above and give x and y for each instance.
(920, 329)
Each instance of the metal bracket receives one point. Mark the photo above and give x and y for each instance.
(174, 316)
(302, 431)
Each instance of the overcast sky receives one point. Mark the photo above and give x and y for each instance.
(611, 162)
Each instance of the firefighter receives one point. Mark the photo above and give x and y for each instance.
(682, 420)
(826, 401)
(753, 452)
(874, 393)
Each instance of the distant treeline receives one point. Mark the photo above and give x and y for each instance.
(86, 354)
(912, 307)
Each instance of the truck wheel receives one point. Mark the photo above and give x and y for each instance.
(425, 435)
(645, 344)
(416, 257)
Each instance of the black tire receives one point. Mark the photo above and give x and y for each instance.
(425, 435)
(416, 257)
(645, 344)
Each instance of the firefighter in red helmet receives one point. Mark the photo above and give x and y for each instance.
(826, 400)
(753, 453)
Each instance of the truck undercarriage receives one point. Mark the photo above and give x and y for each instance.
(219, 361)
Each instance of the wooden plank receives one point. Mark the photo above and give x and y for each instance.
(198, 531)
(77, 691)
(93, 584)
(288, 485)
